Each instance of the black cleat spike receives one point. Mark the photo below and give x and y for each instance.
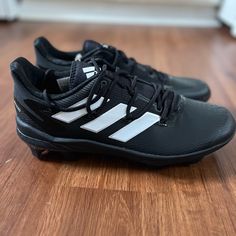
(38, 152)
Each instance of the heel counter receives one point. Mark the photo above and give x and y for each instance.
(20, 92)
(40, 60)
(40, 45)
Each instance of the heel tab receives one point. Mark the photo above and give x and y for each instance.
(24, 71)
(41, 39)
(42, 42)
(19, 62)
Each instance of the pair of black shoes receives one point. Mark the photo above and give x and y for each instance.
(98, 100)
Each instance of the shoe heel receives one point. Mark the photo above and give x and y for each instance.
(38, 152)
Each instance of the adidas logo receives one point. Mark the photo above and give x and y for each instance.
(109, 118)
(89, 71)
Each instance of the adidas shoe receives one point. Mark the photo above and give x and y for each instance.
(48, 57)
(94, 110)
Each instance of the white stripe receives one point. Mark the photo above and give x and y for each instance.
(90, 74)
(17, 107)
(69, 117)
(107, 119)
(136, 127)
(88, 69)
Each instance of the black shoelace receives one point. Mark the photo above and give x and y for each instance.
(164, 100)
(120, 55)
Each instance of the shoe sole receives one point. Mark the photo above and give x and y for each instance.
(45, 143)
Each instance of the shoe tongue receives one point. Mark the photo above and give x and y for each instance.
(89, 45)
(79, 72)
(107, 53)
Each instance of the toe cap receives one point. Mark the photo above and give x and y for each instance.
(190, 88)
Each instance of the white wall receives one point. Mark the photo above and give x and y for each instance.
(228, 15)
(200, 13)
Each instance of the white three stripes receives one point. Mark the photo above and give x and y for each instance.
(108, 118)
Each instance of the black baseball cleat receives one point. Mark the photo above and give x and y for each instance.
(94, 110)
(48, 57)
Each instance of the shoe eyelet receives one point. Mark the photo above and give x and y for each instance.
(151, 74)
(159, 111)
(104, 83)
(164, 124)
(126, 62)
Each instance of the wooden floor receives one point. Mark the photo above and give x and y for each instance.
(106, 196)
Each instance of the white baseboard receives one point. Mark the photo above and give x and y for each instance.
(122, 13)
(8, 9)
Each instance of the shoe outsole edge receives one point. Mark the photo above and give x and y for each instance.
(49, 143)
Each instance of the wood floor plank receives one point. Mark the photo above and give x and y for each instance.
(98, 195)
